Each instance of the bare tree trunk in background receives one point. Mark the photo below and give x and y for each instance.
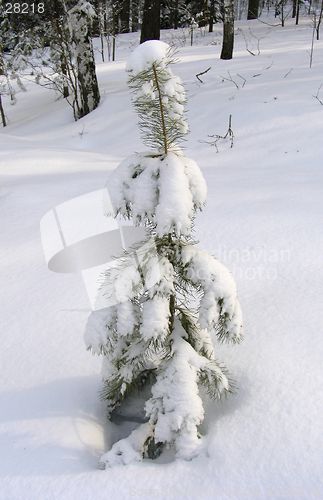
(150, 28)
(211, 16)
(101, 27)
(297, 12)
(228, 30)
(134, 15)
(319, 22)
(114, 32)
(124, 16)
(253, 7)
(294, 8)
(3, 117)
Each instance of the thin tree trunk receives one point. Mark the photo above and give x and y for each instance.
(312, 46)
(3, 116)
(319, 22)
(211, 16)
(114, 33)
(192, 24)
(116, 12)
(228, 30)
(294, 9)
(297, 12)
(134, 15)
(101, 28)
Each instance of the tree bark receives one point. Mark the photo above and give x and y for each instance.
(134, 15)
(297, 12)
(228, 30)
(253, 8)
(101, 12)
(294, 8)
(211, 16)
(116, 15)
(124, 16)
(84, 57)
(150, 28)
(3, 117)
(319, 22)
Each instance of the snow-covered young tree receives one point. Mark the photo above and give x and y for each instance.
(163, 334)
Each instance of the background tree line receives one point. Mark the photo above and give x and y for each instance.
(54, 40)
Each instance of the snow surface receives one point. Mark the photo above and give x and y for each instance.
(262, 221)
(146, 54)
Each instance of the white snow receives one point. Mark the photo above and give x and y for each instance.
(165, 189)
(155, 318)
(217, 283)
(146, 54)
(262, 221)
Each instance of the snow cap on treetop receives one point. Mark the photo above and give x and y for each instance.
(146, 54)
(83, 6)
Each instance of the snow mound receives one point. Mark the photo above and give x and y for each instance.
(148, 53)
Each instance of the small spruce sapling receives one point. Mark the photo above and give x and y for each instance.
(163, 334)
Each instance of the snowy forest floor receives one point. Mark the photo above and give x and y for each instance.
(263, 220)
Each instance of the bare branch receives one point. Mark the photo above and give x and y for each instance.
(270, 65)
(317, 94)
(202, 73)
(244, 80)
(217, 137)
(230, 80)
(288, 72)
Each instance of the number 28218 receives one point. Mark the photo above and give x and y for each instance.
(24, 8)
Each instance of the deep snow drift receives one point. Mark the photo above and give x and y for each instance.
(262, 220)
